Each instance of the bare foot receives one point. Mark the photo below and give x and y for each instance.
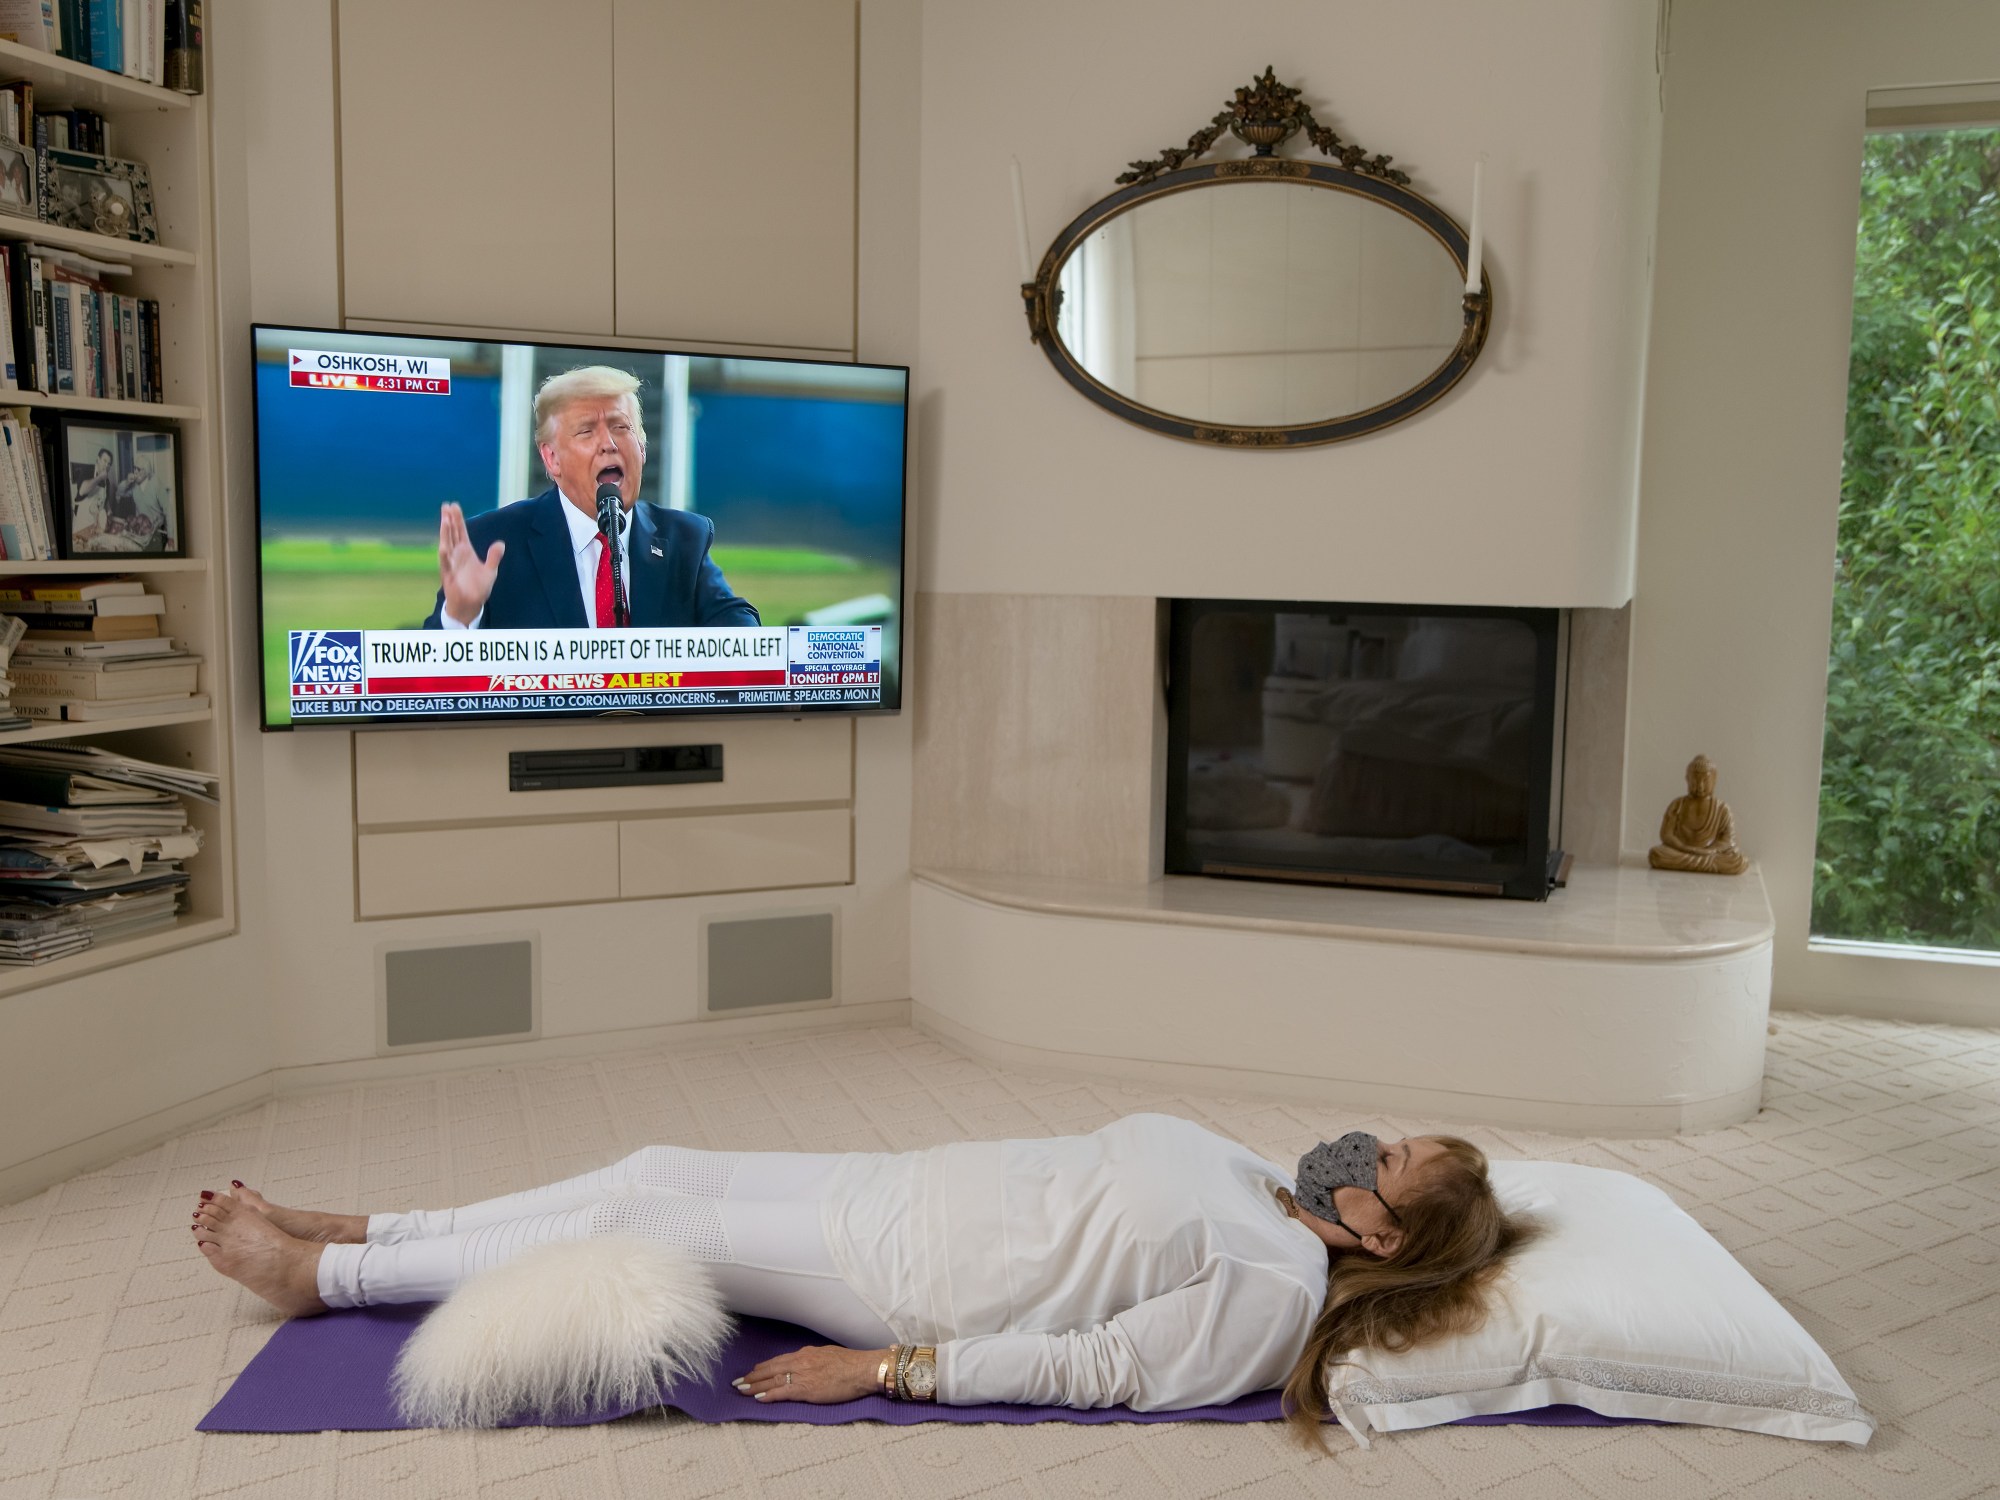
(248, 1248)
(304, 1223)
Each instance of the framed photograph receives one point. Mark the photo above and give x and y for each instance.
(17, 180)
(119, 489)
(99, 195)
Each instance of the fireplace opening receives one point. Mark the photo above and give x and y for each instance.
(1406, 746)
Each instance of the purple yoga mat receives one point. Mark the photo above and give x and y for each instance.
(331, 1373)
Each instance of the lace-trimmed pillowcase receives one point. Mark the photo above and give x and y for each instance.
(1624, 1306)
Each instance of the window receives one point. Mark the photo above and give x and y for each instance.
(1909, 814)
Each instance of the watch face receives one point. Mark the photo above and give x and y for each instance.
(922, 1380)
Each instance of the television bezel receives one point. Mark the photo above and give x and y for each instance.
(579, 716)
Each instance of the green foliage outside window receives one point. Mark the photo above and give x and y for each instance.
(1909, 817)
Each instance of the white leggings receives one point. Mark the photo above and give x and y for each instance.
(754, 1217)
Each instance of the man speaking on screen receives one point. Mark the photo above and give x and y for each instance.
(543, 563)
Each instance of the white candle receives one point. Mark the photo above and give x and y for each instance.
(1021, 223)
(1473, 257)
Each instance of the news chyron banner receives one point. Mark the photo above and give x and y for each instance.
(414, 374)
(361, 674)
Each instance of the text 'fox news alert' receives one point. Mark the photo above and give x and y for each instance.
(435, 673)
(410, 374)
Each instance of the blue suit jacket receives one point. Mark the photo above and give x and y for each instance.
(671, 580)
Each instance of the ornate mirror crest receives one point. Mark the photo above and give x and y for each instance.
(1303, 303)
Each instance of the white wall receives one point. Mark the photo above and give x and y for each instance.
(1746, 407)
(1518, 488)
(604, 967)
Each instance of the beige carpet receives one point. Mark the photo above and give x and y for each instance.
(1866, 1195)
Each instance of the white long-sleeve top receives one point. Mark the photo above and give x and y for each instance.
(1148, 1263)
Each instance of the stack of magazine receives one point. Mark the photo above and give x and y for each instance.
(93, 651)
(91, 847)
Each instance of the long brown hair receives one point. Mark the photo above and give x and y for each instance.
(1455, 1239)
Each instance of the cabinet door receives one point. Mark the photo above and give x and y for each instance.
(736, 171)
(476, 162)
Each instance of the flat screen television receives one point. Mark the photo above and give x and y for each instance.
(435, 516)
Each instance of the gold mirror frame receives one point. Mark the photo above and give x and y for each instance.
(1263, 115)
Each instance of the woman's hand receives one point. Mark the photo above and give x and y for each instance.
(820, 1373)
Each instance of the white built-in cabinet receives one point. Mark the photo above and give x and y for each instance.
(170, 133)
(679, 172)
(671, 170)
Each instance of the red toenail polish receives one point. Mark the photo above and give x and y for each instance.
(234, 1183)
(206, 1195)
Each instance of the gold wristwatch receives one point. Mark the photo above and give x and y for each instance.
(918, 1380)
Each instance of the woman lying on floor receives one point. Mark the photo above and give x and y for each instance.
(1151, 1263)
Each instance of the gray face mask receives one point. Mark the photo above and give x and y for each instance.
(1347, 1162)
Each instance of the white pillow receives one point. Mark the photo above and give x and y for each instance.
(1625, 1306)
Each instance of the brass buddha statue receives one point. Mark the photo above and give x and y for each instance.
(1697, 833)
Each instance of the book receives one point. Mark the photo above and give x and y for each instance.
(28, 22)
(149, 389)
(183, 46)
(21, 499)
(35, 463)
(73, 26)
(72, 589)
(42, 167)
(90, 627)
(140, 603)
(91, 711)
(128, 347)
(14, 534)
(10, 370)
(37, 327)
(34, 479)
(152, 309)
(133, 61)
(106, 46)
(21, 309)
(60, 294)
(106, 681)
(87, 649)
(23, 464)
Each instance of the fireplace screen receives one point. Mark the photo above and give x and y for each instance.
(1364, 744)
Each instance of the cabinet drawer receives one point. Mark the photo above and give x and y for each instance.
(430, 776)
(474, 869)
(735, 852)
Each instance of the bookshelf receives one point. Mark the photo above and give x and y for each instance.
(170, 133)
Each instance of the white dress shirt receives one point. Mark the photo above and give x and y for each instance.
(585, 538)
(1147, 1263)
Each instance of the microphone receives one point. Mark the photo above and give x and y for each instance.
(610, 523)
(610, 507)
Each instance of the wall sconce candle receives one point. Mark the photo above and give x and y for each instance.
(1021, 223)
(1473, 258)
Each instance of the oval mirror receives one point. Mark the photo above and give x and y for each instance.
(1264, 302)
(1260, 304)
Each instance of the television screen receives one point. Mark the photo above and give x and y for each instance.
(469, 530)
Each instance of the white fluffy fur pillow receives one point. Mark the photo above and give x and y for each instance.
(562, 1329)
(1624, 1306)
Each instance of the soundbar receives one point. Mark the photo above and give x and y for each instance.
(642, 765)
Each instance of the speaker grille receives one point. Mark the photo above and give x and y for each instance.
(465, 992)
(762, 961)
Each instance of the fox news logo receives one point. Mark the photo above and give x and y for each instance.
(326, 656)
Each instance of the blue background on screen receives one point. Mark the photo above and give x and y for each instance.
(789, 471)
(372, 464)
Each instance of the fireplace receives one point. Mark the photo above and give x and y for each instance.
(1408, 746)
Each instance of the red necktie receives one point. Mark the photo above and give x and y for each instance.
(605, 616)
